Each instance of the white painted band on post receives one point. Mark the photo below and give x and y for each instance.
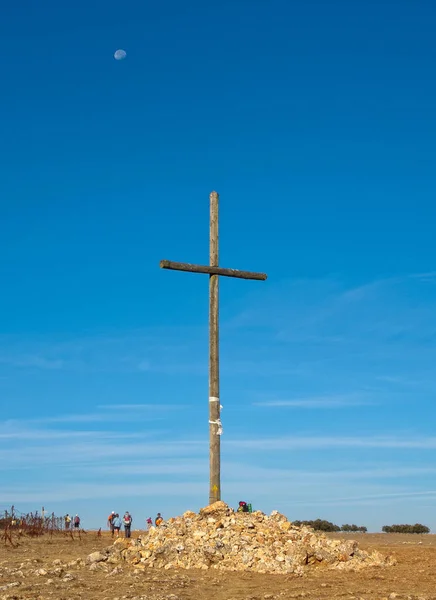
(213, 399)
(219, 426)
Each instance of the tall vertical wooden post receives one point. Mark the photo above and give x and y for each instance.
(214, 383)
(214, 271)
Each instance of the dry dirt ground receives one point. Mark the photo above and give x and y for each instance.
(413, 578)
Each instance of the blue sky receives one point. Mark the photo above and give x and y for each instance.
(315, 122)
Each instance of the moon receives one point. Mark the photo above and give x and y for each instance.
(120, 54)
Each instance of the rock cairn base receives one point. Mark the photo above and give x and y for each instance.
(219, 538)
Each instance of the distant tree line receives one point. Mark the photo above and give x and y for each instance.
(318, 525)
(417, 528)
(354, 528)
(327, 526)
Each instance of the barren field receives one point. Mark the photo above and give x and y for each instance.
(43, 568)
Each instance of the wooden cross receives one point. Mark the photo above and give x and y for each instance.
(214, 271)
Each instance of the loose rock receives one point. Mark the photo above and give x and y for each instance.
(96, 557)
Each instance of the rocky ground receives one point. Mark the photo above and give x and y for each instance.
(60, 568)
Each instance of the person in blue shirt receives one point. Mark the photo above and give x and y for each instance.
(116, 524)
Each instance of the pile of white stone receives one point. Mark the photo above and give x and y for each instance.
(219, 538)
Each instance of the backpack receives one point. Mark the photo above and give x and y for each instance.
(243, 507)
(127, 519)
(76, 520)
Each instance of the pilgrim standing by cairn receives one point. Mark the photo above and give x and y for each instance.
(127, 522)
(110, 522)
(116, 524)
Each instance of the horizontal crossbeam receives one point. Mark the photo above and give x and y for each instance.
(178, 266)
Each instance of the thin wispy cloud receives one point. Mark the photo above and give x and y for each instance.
(106, 352)
(144, 365)
(324, 442)
(234, 469)
(143, 407)
(407, 382)
(318, 402)
(36, 362)
(102, 417)
(388, 497)
(90, 491)
(162, 467)
(88, 451)
(428, 277)
(49, 435)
